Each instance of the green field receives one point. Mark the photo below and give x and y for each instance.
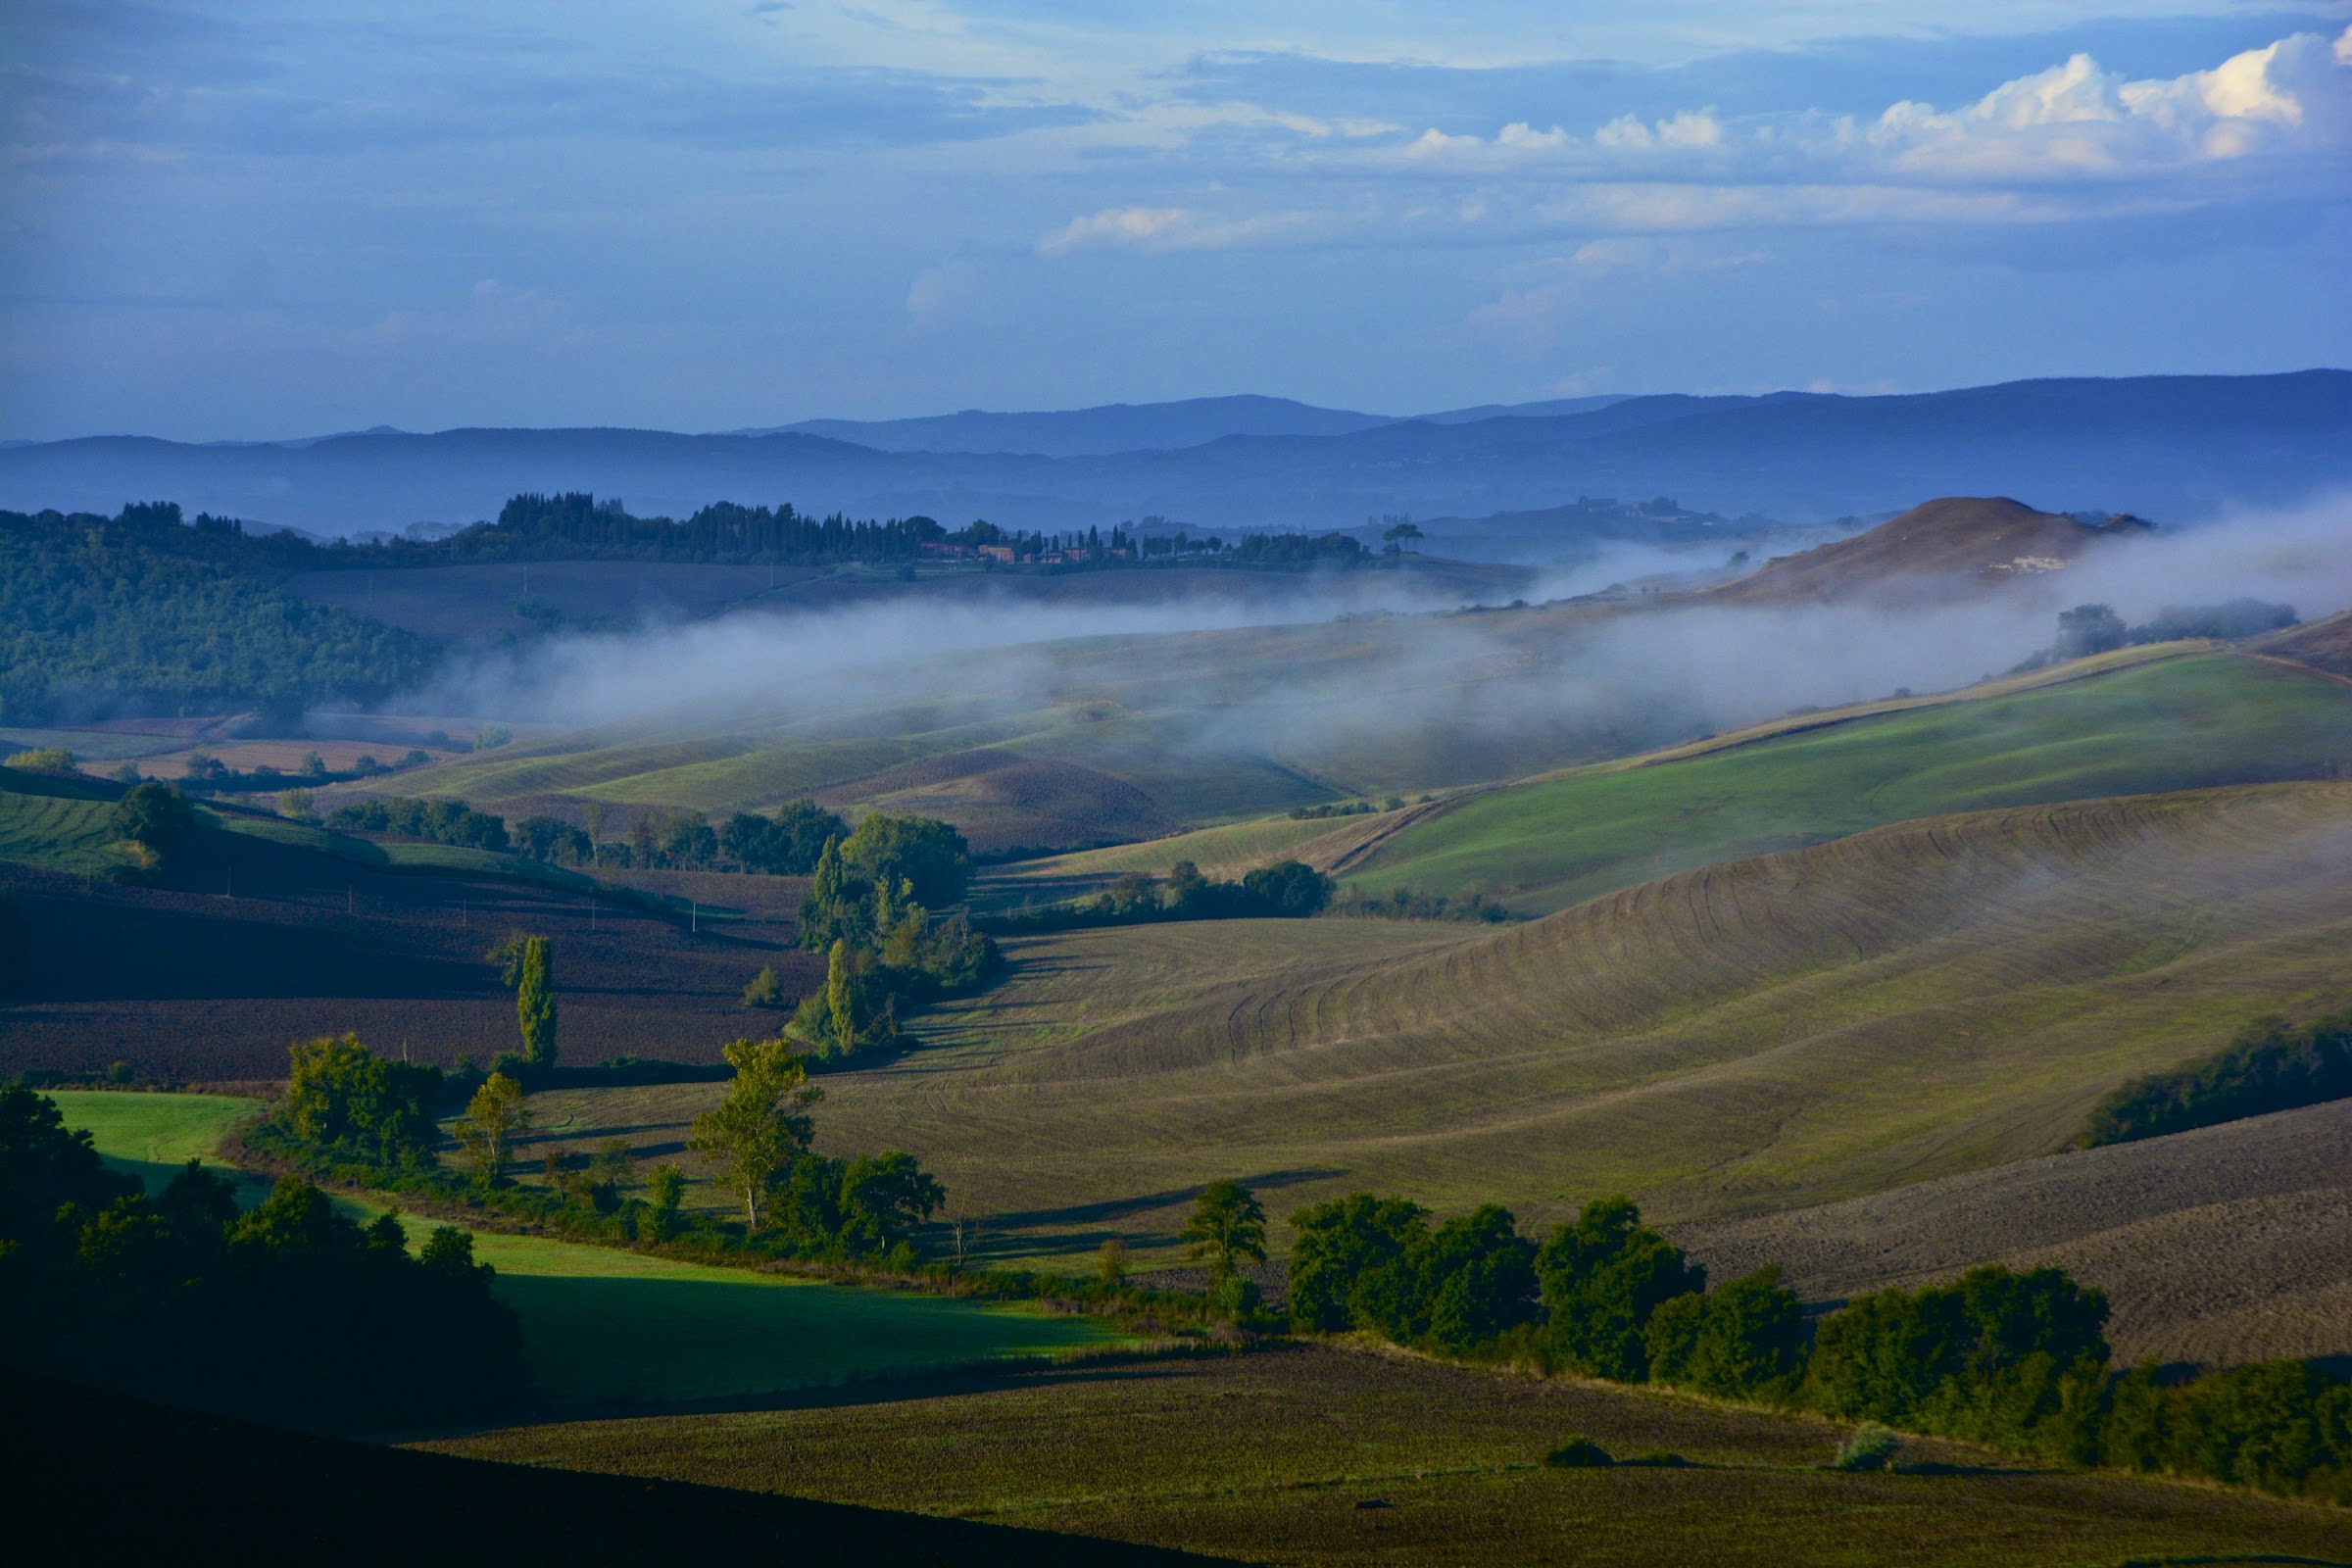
(55, 825)
(603, 1326)
(1319, 1456)
(2179, 723)
(153, 1136)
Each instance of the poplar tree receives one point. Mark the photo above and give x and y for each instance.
(841, 997)
(535, 1004)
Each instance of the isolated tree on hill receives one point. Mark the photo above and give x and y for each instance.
(1228, 1229)
(493, 1122)
(761, 1128)
(156, 815)
(535, 1004)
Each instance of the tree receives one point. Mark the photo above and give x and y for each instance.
(156, 815)
(1601, 1278)
(492, 1122)
(886, 851)
(883, 1199)
(1111, 1262)
(341, 1097)
(535, 1004)
(766, 988)
(1478, 1276)
(1745, 1340)
(1228, 1229)
(2087, 629)
(1346, 1256)
(666, 1191)
(761, 1127)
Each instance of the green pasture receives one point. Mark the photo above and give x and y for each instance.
(602, 1326)
(55, 825)
(153, 1136)
(2179, 723)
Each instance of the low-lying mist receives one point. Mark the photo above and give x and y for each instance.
(1361, 687)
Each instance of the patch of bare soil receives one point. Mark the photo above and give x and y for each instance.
(2224, 1245)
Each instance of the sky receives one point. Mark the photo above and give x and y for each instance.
(244, 220)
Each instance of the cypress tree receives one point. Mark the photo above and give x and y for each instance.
(840, 996)
(535, 1005)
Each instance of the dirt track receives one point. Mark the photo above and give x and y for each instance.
(2224, 1245)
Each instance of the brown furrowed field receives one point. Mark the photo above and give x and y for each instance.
(2223, 1245)
(1319, 1455)
(188, 983)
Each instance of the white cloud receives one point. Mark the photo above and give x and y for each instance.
(2079, 119)
(1520, 134)
(1165, 229)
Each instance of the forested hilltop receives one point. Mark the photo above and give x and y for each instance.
(142, 611)
(147, 611)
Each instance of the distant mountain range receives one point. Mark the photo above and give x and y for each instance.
(2170, 447)
(1139, 426)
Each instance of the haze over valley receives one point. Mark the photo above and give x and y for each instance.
(1316, 786)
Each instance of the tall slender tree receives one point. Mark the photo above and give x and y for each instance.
(535, 1004)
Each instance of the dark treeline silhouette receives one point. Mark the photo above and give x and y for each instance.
(2272, 1066)
(292, 1313)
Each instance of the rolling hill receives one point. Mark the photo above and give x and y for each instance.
(1914, 1002)
(1941, 549)
(2154, 723)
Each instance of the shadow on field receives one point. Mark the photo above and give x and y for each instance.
(946, 1383)
(1123, 1208)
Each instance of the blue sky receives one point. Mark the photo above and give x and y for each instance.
(265, 220)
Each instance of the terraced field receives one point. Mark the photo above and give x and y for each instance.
(2172, 723)
(1915, 1001)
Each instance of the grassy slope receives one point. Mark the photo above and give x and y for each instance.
(603, 1326)
(1316, 1457)
(2174, 724)
(72, 831)
(1906, 1003)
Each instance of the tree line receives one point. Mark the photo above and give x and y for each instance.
(2094, 628)
(2018, 1361)
(352, 1115)
(2272, 1066)
(292, 1312)
(1287, 890)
